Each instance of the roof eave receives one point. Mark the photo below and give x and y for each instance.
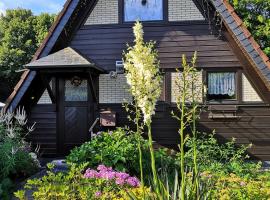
(63, 67)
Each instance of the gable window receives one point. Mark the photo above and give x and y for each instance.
(143, 10)
(221, 86)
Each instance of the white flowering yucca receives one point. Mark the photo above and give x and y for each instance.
(143, 76)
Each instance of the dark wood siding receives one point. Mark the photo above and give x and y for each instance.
(45, 129)
(251, 127)
(105, 44)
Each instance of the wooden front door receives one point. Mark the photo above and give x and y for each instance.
(75, 113)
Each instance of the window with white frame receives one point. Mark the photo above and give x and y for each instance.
(143, 10)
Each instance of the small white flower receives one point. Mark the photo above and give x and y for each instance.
(14, 150)
(21, 117)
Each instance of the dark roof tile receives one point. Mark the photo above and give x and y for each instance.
(238, 31)
(242, 37)
(258, 59)
(262, 65)
(64, 57)
(237, 26)
(221, 8)
(233, 25)
(229, 20)
(249, 48)
(254, 53)
(245, 42)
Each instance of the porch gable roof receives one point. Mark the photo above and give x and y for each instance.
(65, 58)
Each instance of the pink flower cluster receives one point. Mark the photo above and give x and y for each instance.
(108, 173)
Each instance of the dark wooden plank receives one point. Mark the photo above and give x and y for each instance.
(105, 44)
(251, 128)
(45, 129)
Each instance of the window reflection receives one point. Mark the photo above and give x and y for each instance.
(143, 10)
(75, 92)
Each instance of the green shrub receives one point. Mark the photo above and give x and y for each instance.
(115, 149)
(103, 183)
(16, 159)
(118, 149)
(221, 158)
(233, 187)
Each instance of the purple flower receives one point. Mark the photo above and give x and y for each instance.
(107, 173)
(90, 173)
(110, 133)
(102, 168)
(99, 133)
(120, 181)
(98, 194)
(133, 181)
(110, 175)
(122, 175)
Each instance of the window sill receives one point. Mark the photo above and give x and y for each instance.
(243, 104)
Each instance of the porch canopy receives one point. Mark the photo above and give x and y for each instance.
(65, 59)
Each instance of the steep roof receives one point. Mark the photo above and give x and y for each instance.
(58, 27)
(244, 39)
(233, 23)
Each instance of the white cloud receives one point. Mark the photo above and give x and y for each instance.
(2, 8)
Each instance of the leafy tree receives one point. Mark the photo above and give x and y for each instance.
(42, 23)
(20, 35)
(256, 16)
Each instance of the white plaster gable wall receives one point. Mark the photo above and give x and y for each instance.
(249, 93)
(113, 90)
(183, 10)
(45, 98)
(175, 90)
(107, 12)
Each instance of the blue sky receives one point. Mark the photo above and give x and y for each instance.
(37, 6)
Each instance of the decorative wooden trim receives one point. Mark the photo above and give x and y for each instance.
(120, 11)
(168, 87)
(204, 81)
(239, 86)
(126, 24)
(49, 89)
(91, 83)
(166, 11)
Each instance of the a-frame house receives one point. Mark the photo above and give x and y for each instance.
(72, 80)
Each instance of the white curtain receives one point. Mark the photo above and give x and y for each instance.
(221, 83)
